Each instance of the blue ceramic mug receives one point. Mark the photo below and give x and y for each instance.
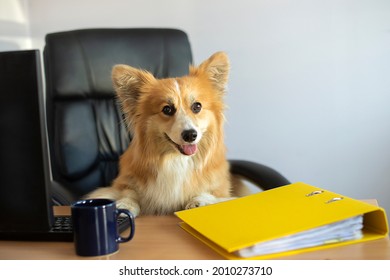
(95, 227)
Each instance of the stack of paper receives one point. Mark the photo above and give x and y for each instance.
(350, 229)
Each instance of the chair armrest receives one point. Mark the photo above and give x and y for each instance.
(263, 176)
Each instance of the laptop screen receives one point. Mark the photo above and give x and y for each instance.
(25, 201)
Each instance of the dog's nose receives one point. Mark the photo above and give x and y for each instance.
(189, 135)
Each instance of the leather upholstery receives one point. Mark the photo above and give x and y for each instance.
(85, 127)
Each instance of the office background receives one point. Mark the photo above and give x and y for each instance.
(309, 90)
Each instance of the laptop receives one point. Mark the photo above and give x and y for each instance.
(26, 210)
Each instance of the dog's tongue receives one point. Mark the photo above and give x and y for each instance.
(189, 149)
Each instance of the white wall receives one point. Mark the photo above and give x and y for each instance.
(14, 25)
(309, 92)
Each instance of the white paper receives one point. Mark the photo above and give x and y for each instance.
(349, 229)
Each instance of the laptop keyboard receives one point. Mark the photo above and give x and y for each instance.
(62, 230)
(62, 224)
(63, 227)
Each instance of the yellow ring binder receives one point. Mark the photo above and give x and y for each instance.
(277, 213)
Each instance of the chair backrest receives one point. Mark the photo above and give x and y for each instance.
(86, 131)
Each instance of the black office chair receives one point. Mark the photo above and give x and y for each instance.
(85, 128)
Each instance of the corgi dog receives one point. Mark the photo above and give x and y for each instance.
(176, 159)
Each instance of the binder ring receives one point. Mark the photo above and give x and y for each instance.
(315, 193)
(335, 199)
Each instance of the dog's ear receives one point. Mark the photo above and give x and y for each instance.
(128, 83)
(216, 67)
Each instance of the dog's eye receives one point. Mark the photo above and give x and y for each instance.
(169, 110)
(196, 107)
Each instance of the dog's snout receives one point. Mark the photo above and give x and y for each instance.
(189, 135)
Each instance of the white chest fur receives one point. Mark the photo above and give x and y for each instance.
(167, 193)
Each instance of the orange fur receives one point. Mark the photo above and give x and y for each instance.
(160, 172)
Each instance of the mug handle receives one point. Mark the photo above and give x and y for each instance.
(121, 239)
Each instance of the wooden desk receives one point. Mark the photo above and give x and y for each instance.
(160, 237)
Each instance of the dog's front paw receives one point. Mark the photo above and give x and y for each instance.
(193, 204)
(201, 200)
(130, 205)
(205, 199)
